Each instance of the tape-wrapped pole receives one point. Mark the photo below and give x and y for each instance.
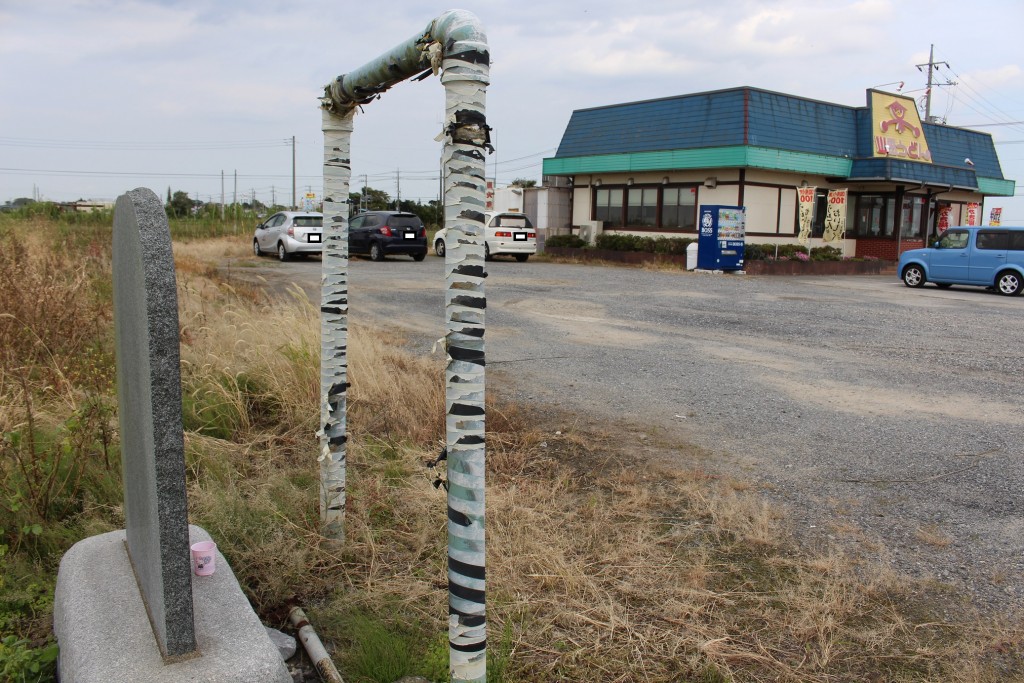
(465, 78)
(337, 130)
(455, 44)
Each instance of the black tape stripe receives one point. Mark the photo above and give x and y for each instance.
(470, 571)
(459, 518)
(470, 440)
(469, 56)
(470, 594)
(475, 356)
(471, 332)
(467, 618)
(470, 271)
(466, 410)
(472, 647)
(470, 301)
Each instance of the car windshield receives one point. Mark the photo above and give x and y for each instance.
(512, 222)
(308, 222)
(404, 222)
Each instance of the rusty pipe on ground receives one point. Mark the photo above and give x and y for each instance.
(314, 648)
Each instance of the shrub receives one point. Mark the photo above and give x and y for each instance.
(651, 245)
(570, 241)
(756, 252)
(826, 254)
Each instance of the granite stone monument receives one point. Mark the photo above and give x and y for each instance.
(127, 607)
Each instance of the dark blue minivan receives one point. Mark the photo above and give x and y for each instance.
(983, 256)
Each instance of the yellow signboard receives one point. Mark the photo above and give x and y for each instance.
(896, 130)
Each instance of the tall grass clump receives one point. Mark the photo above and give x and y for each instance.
(59, 458)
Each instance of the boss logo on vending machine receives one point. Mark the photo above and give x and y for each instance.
(705, 223)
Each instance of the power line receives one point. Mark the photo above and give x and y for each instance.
(146, 174)
(40, 143)
(989, 125)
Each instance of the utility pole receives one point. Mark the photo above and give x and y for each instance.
(398, 190)
(222, 195)
(294, 205)
(932, 67)
(234, 201)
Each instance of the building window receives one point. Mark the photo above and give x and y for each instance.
(872, 216)
(642, 210)
(608, 206)
(820, 211)
(679, 208)
(913, 216)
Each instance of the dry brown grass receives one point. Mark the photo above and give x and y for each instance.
(933, 535)
(601, 567)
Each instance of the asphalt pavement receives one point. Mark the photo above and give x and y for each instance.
(887, 420)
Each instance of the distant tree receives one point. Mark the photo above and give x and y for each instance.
(376, 200)
(180, 205)
(524, 182)
(168, 195)
(430, 213)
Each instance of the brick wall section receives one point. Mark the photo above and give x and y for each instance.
(885, 249)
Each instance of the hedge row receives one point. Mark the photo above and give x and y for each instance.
(571, 241)
(677, 245)
(651, 245)
(790, 252)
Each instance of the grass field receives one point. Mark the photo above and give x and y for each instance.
(601, 567)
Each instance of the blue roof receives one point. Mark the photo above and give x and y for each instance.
(766, 119)
(687, 122)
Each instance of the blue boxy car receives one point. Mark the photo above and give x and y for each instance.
(983, 256)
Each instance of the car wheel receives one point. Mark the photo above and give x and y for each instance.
(256, 248)
(420, 256)
(522, 257)
(913, 276)
(487, 252)
(282, 253)
(376, 252)
(439, 248)
(1008, 283)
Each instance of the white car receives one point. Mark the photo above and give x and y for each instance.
(504, 233)
(289, 232)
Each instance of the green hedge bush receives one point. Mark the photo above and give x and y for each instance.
(790, 252)
(571, 241)
(652, 245)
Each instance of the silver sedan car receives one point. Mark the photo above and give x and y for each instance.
(289, 232)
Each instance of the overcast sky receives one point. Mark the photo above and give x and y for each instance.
(98, 97)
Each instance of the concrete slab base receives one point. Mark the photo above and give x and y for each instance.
(105, 636)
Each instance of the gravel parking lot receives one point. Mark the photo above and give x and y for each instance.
(887, 420)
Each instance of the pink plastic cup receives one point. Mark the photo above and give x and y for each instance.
(204, 555)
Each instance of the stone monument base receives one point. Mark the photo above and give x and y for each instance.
(104, 633)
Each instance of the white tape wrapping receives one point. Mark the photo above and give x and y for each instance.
(334, 322)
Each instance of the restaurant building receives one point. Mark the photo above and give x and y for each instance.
(645, 167)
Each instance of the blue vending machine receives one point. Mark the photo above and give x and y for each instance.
(722, 237)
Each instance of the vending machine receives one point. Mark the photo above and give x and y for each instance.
(722, 236)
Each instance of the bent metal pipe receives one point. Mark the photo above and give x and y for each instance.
(454, 45)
